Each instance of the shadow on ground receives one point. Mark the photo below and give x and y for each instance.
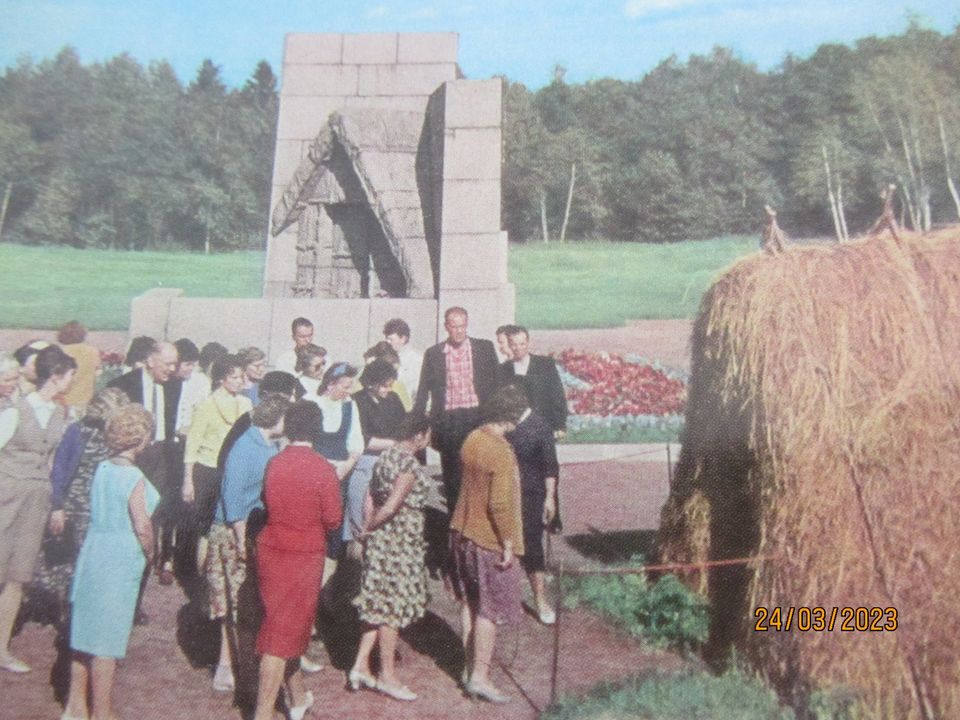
(614, 546)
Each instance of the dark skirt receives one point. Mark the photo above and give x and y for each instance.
(531, 511)
(491, 592)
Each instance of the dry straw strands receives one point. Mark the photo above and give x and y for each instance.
(823, 428)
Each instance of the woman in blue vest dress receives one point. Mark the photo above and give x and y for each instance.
(118, 545)
(340, 440)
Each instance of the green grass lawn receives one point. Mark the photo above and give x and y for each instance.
(603, 284)
(595, 284)
(44, 287)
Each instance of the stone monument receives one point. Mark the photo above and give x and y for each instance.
(385, 203)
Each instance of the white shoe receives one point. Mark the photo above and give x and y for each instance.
(357, 679)
(298, 711)
(223, 679)
(310, 666)
(14, 665)
(548, 616)
(488, 693)
(397, 692)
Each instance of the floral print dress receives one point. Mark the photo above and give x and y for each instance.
(393, 586)
(55, 577)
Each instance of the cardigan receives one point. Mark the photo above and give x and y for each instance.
(488, 508)
(212, 420)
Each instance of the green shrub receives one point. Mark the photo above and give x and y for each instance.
(689, 695)
(665, 613)
(835, 703)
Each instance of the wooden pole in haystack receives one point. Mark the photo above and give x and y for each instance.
(773, 239)
(887, 219)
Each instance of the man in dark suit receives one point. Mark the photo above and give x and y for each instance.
(457, 376)
(538, 376)
(156, 387)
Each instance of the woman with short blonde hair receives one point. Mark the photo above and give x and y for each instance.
(118, 546)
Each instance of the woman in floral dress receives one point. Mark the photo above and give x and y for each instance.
(393, 590)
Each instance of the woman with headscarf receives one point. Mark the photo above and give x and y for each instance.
(340, 439)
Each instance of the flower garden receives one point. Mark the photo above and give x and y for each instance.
(620, 398)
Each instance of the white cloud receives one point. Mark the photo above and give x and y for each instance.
(640, 8)
(377, 11)
(426, 12)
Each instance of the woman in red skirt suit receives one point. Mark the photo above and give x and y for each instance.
(302, 497)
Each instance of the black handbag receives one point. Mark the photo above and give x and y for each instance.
(59, 549)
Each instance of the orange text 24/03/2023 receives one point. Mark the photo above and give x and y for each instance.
(821, 619)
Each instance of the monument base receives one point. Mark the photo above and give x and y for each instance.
(346, 328)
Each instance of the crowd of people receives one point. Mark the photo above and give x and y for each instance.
(205, 464)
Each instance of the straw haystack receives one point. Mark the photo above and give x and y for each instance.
(823, 437)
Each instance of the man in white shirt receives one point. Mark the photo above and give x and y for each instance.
(397, 333)
(301, 330)
(539, 377)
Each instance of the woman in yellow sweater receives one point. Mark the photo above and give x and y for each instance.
(486, 536)
(212, 420)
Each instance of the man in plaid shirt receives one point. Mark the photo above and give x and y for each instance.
(457, 376)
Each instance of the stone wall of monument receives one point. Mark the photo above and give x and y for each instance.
(458, 174)
(325, 72)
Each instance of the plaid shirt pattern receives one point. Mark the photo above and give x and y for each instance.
(460, 391)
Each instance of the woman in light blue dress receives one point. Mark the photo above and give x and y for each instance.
(118, 545)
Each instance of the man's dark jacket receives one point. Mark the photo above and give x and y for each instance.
(544, 389)
(433, 375)
(132, 384)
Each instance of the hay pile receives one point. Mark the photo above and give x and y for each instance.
(823, 428)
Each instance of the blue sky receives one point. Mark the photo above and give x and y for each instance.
(522, 39)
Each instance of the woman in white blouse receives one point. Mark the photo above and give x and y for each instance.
(30, 431)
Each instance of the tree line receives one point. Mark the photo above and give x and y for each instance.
(696, 149)
(118, 155)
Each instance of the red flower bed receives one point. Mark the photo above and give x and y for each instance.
(109, 358)
(619, 387)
